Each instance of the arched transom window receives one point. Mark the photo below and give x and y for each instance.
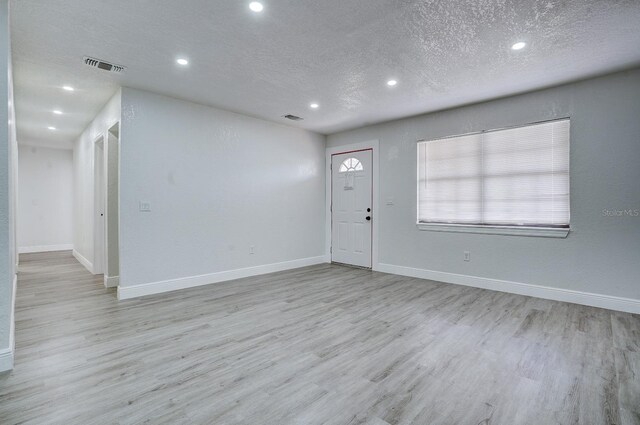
(350, 164)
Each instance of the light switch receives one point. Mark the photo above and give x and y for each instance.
(145, 207)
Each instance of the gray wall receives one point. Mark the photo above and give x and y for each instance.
(8, 170)
(217, 183)
(6, 268)
(601, 255)
(45, 207)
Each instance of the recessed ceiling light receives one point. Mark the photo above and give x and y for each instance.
(314, 106)
(392, 83)
(51, 128)
(57, 112)
(519, 45)
(68, 88)
(182, 61)
(256, 6)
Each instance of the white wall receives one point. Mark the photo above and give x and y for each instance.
(45, 205)
(217, 184)
(8, 172)
(600, 256)
(83, 177)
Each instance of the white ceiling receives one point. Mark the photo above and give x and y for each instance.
(339, 53)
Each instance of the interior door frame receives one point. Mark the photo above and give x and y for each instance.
(112, 207)
(99, 200)
(330, 151)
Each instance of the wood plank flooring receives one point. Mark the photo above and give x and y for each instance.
(324, 344)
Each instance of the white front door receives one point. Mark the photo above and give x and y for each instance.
(351, 207)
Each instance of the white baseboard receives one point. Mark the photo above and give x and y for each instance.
(126, 292)
(44, 248)
(111, 281)
(86, 263)
(6, 360)
(628, 305)
(7, 354)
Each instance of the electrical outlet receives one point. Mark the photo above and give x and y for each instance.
(145, 207)
(467, 256)
(252, 249)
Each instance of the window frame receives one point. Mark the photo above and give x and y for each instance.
(493, 229)
(349, 169)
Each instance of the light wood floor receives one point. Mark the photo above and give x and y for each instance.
(320, 345)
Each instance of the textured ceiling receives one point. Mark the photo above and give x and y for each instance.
(338, 53)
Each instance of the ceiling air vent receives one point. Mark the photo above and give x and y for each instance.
(105, 66)
(292, 117)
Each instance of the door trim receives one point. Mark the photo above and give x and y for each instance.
(330, 151)
(99, 188)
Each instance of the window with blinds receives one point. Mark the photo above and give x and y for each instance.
(515, 177)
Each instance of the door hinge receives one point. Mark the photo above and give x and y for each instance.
(330, 250)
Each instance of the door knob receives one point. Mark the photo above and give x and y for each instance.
(368, 218)
(368, 209)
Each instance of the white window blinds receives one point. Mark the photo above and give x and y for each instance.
(512, 177)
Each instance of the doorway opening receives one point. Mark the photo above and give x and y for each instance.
(106, 211)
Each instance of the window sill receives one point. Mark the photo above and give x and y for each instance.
(540, 232)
